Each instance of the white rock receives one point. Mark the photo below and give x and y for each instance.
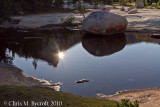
(139, 4)
(133, 11)
(87, 5)
(100, 7)
(57, 84)
(66, 6)
(101, 22)
(150, 7)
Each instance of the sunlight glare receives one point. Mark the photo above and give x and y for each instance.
(61, 55)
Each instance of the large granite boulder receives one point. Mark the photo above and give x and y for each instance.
(104, 23)
(139, 4)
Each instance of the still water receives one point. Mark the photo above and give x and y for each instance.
(111, 63)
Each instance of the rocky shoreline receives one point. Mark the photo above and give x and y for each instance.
(146, 20)
(11, 75)
(147, 97)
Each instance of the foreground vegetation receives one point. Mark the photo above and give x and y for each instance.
(128, 103)
(37, 94)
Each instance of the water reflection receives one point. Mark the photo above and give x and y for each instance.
(104, 45)
(132, 62)
(38, 45)
(50, 46)
(61, 55)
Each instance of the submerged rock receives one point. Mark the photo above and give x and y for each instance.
(139, 4)
(82, 81)
(104, 23)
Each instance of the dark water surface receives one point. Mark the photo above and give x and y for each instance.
(114, 63)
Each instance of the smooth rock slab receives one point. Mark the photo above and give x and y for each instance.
(133, 11)
(104, 23)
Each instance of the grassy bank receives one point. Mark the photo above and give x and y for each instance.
(21, 93)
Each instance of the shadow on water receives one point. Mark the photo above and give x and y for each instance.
(103, 45)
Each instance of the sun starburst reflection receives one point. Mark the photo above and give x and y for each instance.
(61, 55)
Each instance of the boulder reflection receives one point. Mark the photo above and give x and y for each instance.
(104, 45)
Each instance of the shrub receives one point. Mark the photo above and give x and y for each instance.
(81, 8)
(158, 3)
(69, 19)
(128, 103)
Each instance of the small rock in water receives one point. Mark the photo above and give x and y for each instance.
(82, 81)
(155, 36)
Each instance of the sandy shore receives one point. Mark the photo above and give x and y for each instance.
(147, 97)
(146, 20)
(11, 75)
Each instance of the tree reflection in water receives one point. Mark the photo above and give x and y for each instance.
(38, 45)
(50, 46)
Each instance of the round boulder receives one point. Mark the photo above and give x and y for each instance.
(104, 23)
(122, 9)
(139, 4)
